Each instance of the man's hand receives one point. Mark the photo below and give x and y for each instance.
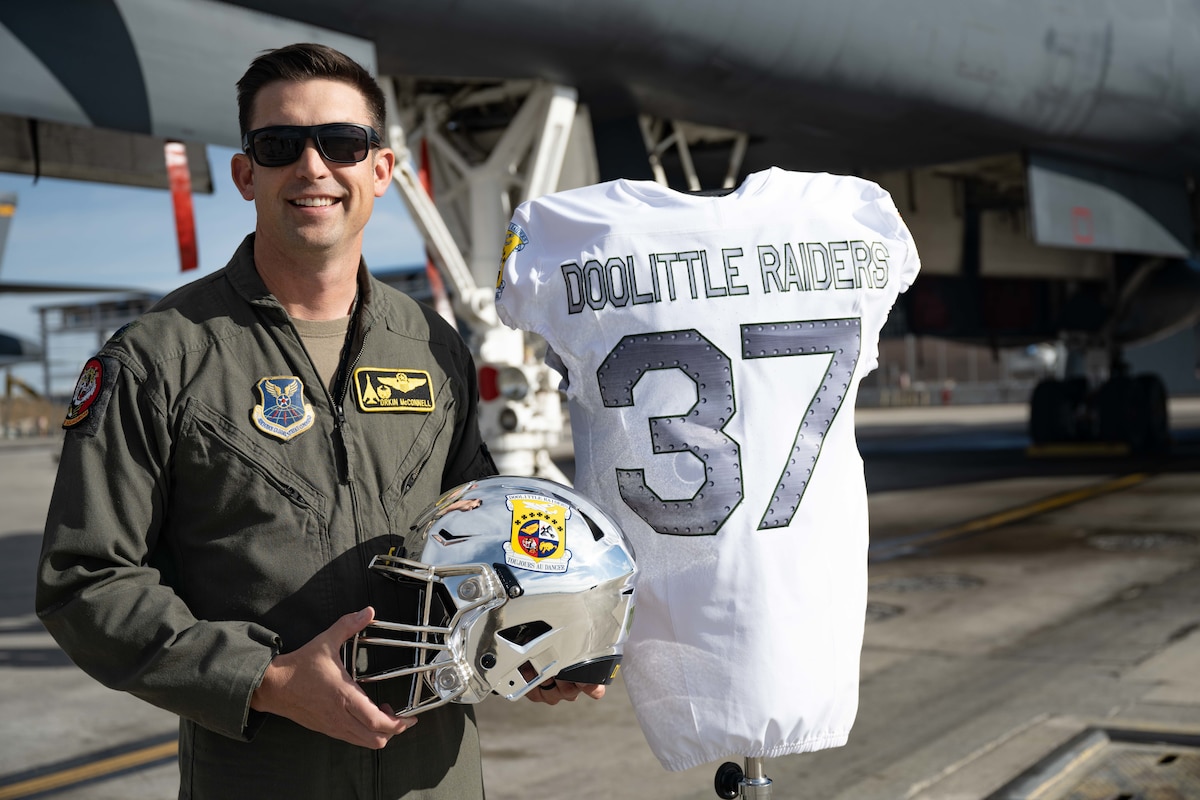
(552, 691)
(311, 687)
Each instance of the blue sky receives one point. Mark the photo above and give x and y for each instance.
(81, 232)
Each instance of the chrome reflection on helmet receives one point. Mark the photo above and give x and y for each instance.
(519, 580)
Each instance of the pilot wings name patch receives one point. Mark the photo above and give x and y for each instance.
(384, 389)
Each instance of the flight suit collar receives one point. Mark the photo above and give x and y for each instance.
(246, 281)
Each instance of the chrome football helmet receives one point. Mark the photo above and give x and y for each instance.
(518, 580)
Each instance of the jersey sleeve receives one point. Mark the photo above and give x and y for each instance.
(909, 260)
(885, 220)
(518, 281)
(104, 576)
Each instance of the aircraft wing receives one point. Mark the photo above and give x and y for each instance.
(16, 350)
(851, 85)
(102, 84)
(11, 287)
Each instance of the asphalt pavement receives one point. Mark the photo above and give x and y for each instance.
(1017, 606)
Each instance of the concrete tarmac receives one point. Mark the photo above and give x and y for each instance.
(1007, 614)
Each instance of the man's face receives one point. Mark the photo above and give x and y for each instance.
(312, 206)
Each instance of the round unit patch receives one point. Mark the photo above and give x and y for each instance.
(87, 389)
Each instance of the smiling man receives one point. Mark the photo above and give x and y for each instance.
(228, 471)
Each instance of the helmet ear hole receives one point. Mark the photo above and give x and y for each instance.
(527, 672)
(526, 632)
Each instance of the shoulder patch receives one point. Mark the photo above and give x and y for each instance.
(392, 389)
(515, 239)
(91, 395)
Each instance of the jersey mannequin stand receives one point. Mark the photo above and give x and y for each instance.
(732, 782)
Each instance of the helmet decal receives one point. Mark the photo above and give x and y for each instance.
(485, 603)
(539, 534)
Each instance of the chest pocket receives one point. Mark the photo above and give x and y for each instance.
(430, 446)
(248, 526)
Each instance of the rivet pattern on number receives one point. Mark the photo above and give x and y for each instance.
(841, 338)
(698, 431)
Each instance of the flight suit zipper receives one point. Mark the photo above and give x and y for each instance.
(352, 349)
(341, 387)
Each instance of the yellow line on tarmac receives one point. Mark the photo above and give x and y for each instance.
(90, 771)
(1025, 511)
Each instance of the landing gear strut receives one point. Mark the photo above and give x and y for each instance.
(1125, 409)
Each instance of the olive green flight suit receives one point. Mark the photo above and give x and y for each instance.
(187, 544)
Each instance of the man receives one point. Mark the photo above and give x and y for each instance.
(234, 458)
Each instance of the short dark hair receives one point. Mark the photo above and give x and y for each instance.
(302, 62)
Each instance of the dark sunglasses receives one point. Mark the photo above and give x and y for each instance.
(338, 142)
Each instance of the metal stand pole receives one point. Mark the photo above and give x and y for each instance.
(751, 783)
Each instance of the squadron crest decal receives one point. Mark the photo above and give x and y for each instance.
(380, 389)
(515, 240)
(539, 534)
(282, 412)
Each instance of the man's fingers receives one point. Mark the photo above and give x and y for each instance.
(548, 696)
(351, 624)
(408, 722)
(554, 691)
(374, 718)
(592, 690)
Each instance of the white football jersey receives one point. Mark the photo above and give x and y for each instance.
(713, 348)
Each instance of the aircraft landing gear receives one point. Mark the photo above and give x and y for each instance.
(1134, 410)
(1127, 410)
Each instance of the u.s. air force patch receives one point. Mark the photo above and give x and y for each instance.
(91, 395)
(379, 389)
(282, 412)
(539, 534)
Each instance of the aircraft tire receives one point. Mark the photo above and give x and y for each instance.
(1083, 418)
(1051, 413)
(1152, 394)
(1122, 412)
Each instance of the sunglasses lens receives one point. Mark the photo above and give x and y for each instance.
(277, 147)
(338, 142)
(345, 144)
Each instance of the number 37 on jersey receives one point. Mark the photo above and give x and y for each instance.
(702, 429)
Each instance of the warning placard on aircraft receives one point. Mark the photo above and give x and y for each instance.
(1091, 207)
